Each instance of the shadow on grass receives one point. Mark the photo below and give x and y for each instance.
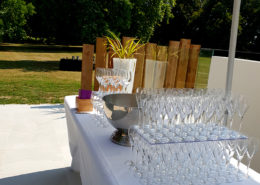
(41, 49)
(61, 176)
(28, 65)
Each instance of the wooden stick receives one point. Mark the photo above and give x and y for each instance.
(101, 52)
(87, 66)
(182, 63)
(173, 55)
(110, 58)
(125, 39)
(160, 66)
(148, 74)
(192, 66)
(161, 53)
(139, 55)
(150, 51)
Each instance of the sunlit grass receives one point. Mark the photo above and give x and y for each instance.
(33, 77)
(203, 72)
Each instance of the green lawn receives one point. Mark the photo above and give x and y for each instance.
(32, 76)
(29, 74)
(203, 72)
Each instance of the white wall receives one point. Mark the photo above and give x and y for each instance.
(246, 81)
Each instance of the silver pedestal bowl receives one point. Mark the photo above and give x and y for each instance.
(122, 112)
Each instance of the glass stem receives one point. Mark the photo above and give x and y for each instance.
(247, 169)
(240, 124)
(238, 164)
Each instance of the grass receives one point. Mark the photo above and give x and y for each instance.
(203, 72)
(29, 74)
(32, 76)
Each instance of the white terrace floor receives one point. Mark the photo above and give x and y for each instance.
(34, 146)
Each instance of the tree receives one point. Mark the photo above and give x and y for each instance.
(98, 16)
(1, 30)
(56, 21)
(249, 39)
(208, 22)
(13, 19)
(77, 21)
(180, 25)
(146, 15)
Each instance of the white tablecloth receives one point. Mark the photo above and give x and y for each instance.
(99, 161)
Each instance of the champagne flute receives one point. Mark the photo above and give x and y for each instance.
(253, 145)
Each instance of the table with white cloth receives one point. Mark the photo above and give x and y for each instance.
(99, 161)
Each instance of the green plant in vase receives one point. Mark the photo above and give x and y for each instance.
(124, 55)
(123, 52)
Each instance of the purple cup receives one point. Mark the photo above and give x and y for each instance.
(84, 94)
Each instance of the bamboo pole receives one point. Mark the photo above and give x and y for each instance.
(149, 67)
(182, 63)
(173, 53)
(140, 56)
(87, 66)
(101, 52)
(160, 66)
(192, 66)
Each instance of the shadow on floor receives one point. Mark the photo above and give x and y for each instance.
(51, 109)
(61, 176)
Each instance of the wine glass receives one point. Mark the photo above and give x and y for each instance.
(241, 148)
(126, 80)
(242, 109)
(253, 145)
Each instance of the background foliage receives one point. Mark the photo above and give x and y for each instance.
(13, 19)
(206, 22)
(77, 21)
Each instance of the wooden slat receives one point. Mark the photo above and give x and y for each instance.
(101, 52)
(110, 58)
(161, 53)
(182, 63)
(140, 56)
(150, 51)
(149, 67)
(192, 66)
(173, 53)
(125, 39)
(160, 67)
(87, 66)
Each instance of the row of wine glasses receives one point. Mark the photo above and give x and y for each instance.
(110, 81)
(180, 106)
(204, 162)
(113, 80)
(187, 133)
(99, 115)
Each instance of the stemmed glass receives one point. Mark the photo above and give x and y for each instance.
(112, 80)
(126, 80)
(231, 104)
(253, 145)
(132, 135)
(99, 74)
(242, 108)
(97, 102)
(117, 78)
(241, 148)
(138, 100)
(181, 153)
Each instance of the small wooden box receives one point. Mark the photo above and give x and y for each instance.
(83, 105)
